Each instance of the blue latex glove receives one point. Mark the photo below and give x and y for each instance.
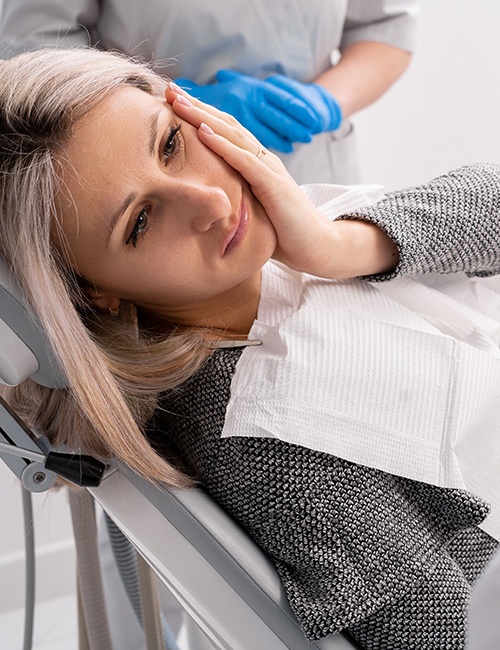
(276, 117)
(325, 107)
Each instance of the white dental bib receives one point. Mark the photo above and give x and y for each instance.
(402, 376)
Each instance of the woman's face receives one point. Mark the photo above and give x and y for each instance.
(155, 218)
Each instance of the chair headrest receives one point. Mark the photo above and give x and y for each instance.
(24, 349)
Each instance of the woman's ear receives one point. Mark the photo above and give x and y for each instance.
(103, 301)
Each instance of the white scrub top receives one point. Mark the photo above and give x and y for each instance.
(195, 39)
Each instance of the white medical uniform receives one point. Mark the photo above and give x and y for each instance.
(196, 38)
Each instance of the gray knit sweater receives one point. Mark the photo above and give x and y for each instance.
(387, 558)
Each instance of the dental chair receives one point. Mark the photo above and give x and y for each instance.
(224, 582)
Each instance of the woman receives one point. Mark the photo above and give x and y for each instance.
(254, 60)
(138, 222)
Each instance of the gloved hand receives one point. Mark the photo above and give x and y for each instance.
(325, 107)
(276, 117)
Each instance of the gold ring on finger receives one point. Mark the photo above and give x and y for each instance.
(261, 152)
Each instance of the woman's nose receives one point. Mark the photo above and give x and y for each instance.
(203, 205)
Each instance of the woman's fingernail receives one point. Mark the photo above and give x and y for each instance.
(177, 89)
(183, 100)
(206, 128)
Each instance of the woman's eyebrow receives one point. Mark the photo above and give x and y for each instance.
(153, 131)
(129, 199)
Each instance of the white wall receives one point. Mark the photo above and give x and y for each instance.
(443, 113)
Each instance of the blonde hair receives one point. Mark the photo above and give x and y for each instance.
(114, 375)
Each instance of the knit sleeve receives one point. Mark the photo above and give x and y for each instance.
(449, 225)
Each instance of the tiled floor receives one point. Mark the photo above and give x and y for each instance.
(55, 626)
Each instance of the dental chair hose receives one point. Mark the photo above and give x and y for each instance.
(89, 570)
(125, 557)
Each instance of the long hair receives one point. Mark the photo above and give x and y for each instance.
(114, 373)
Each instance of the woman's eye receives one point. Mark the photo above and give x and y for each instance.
(171, 143)
(140, 224)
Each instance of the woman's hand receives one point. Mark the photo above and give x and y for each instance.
(307, 241)
(276, 116)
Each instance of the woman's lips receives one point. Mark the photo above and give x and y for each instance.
(238, 233)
